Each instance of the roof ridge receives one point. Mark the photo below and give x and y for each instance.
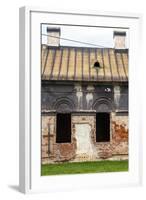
(80, 47)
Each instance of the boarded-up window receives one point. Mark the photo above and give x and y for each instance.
(102, 127)
(63, 132)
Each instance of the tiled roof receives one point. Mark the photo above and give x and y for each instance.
(77, 63)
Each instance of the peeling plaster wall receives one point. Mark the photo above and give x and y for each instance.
(52, 151)
(79, 95)
(82, 95)
(117, 94)
(83, 146)
(84, 131)
(48, 137)
(118, 145)
(89, 96)
(77, 150)
(79, 99)
(120, 133)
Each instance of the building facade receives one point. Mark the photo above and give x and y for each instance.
(84, 102)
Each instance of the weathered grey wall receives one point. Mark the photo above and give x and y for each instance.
(83, 97)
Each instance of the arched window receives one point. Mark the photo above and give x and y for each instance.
(63, 106)
(103, 108)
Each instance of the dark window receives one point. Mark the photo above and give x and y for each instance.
(96, 64)
(63, 133)
(102, 127)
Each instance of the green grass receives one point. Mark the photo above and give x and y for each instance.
(84, 167)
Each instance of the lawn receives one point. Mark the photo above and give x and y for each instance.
(84, 167)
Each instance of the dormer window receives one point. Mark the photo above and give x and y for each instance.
(97, 64)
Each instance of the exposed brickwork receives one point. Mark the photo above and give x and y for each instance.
(48, 136)
(119, 127)
(59, 152)
(120, 133)
(64, 151)
(118, 144)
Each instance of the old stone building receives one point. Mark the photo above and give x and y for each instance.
(84, 101)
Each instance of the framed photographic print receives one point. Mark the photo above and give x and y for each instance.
(78, 109)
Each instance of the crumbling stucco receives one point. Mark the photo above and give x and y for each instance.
(117, 94)
(83, 146)
(79, 95)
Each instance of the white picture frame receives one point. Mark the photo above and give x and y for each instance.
(30, 153)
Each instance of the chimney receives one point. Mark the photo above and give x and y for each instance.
(119, 39)
(53, 36)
